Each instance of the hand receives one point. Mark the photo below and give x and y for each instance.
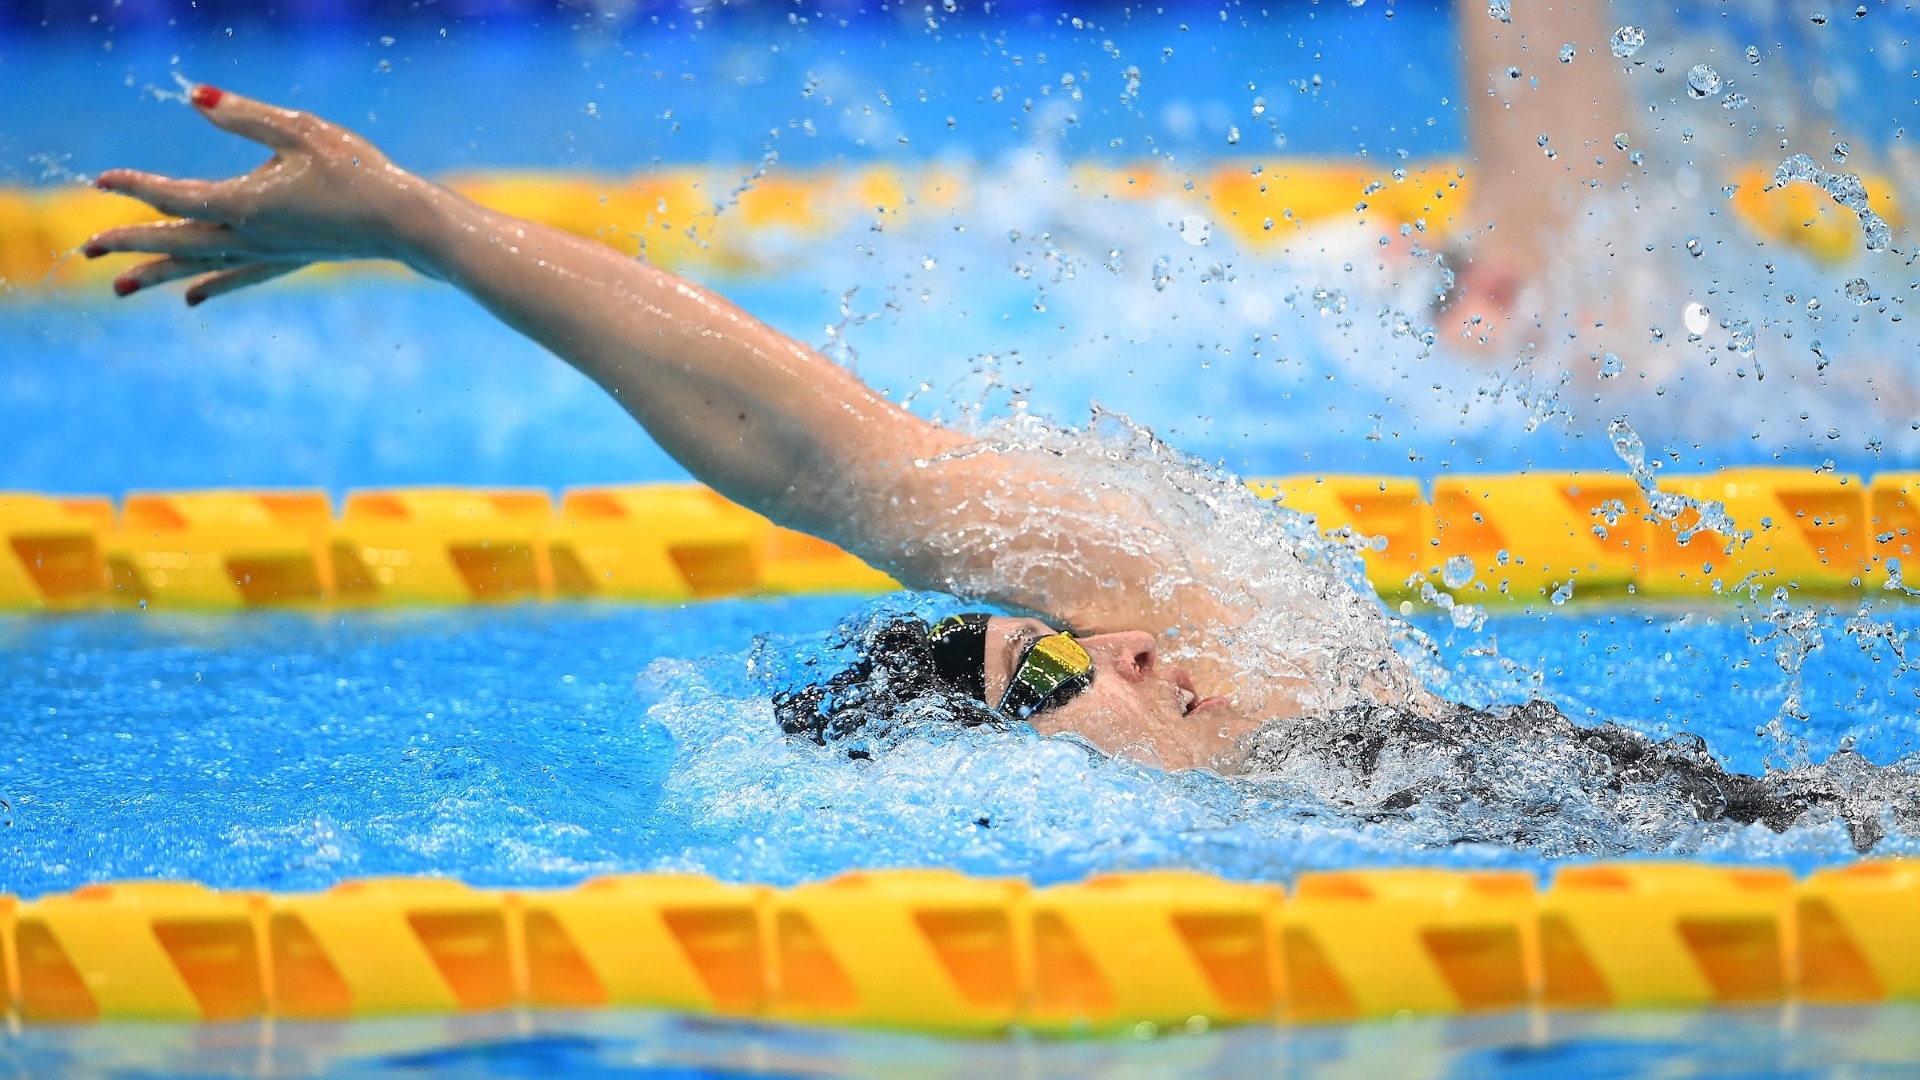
(325, 194)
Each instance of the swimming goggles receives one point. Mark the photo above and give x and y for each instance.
(1051, 669)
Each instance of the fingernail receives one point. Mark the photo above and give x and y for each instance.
(207, 96)
(93, 251)
(102, 184)
(125, 287)
(194, 299)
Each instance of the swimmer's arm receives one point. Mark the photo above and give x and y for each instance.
(755, 414)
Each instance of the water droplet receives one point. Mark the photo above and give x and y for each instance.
(1693, 247)
(1562, 594)
(1702, 80)
(1458, 572)
(1686, 135)
(1637, 157)
(1330, 301)
(1542, 139)
(1621, 141)
(1162, 273)
(1611, 365)
(1501, 10)
(1858, 291)
(1740, 337)
(1627, 40)
(1696, 317)
(1513, 72)
(928, 262)
(1233, 136)
(1566, 53)
(1839, 153)
(1734, 101)
(1753, 54)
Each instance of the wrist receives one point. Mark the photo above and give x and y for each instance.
(418, 218)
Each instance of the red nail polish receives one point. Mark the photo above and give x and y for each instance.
(102, 184)
(125, 287)
(207, 96)
(194, 299)
(93, 251)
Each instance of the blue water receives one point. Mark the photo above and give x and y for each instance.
(517, 747)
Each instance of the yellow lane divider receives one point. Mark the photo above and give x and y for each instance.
(1526, 538)
(233, 549)
(935, 950)
(701, 219)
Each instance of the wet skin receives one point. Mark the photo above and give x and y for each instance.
(758, 416)
(1135, 706)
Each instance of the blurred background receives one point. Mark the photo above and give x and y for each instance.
(1291, 237)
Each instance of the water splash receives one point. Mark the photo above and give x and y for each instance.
(1671, 508)
(1846, 189)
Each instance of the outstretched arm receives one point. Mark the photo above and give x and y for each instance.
(758, 416)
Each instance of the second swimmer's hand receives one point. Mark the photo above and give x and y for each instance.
(325, 194)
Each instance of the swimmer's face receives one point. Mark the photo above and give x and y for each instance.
(1134, 706)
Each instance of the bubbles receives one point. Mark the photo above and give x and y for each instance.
(1566, 53)
(1858, 291)
(1457, 572)
(1702, 81)
(1500, 10)
(1626, 41)
(1696, 317)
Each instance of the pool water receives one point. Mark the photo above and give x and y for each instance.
(1855, 1044)
(544, 745)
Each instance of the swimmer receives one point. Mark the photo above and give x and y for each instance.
(756, 415)
(777, 427)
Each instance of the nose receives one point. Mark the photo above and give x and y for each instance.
(1129, 653)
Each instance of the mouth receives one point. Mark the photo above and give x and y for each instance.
(1190, 699)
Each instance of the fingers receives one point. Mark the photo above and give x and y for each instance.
(166, 238)
(281, 129)
(240, 277)
(178, 198)
(160, 271)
